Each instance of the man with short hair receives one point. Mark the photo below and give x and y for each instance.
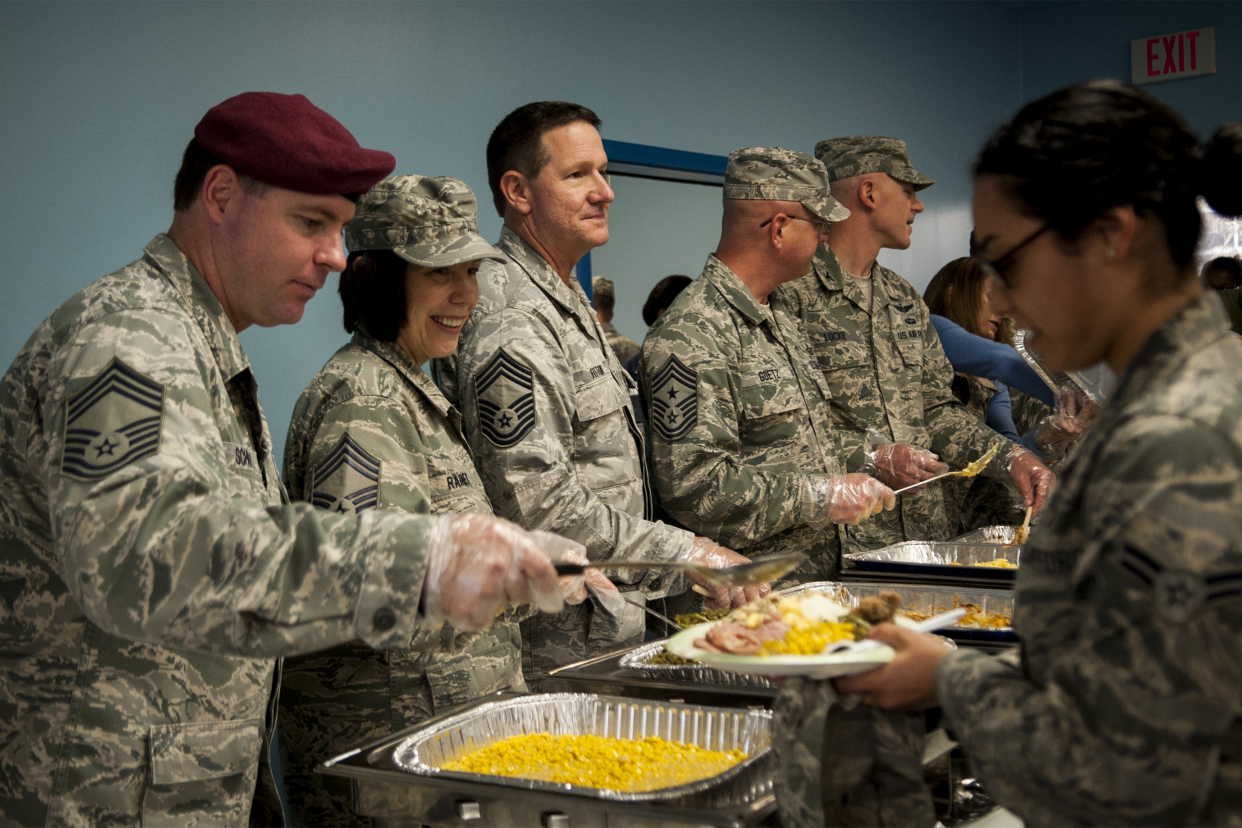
(545, 403)
(889, 380)
(153, 567)
(604, 300)
(741, 440)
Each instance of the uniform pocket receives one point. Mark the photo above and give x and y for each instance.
(598, 399)
(464, 676)
(202, 773)
(770, 412)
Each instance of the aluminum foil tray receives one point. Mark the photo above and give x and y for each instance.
(925, 559)
(989, 534)
(929, 600)
(639, 660)
(714, 728)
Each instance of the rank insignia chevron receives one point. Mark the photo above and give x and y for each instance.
(116, 419)
(348, 479)
(506, 393)
(674, 402)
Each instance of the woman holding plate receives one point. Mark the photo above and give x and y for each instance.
(1122, 706)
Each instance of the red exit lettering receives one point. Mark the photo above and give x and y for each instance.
(1171, 65)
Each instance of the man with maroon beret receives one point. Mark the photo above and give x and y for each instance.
(152, 568)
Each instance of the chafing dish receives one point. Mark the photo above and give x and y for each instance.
(928, 600)
(938, 562)
(399, 779)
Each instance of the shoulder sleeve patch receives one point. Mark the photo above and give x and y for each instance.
(674, 401)
(505, 389)
(115, 420)
(348, 479)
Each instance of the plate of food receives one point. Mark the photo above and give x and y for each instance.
(809, 634)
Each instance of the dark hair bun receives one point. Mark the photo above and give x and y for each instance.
(1222, 170)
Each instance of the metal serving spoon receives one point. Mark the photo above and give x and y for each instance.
(759, 571)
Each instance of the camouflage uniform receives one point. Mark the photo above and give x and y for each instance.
(884, 364)
(1125, 706)
(546, 408)
(372, 431)
(152, 567)
(844, 763)
(738, 405)
(974, 502)
(739, 422)
(621, 345)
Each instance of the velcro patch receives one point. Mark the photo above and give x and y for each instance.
(506, 393)
(348, 479)
(674, 402)
(116, 419)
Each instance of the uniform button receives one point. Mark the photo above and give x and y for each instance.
(384, 619)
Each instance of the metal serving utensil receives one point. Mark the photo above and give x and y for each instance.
(972, 469)
(759, 571)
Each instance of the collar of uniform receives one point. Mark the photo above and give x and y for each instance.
(391, 353)
(733, 289)
(832, 275)
(206, 309)
(571, 298)
(1191, 329)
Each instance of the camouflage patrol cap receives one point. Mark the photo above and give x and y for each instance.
(426, 221)
(862, 154)
(602, 287)
(775, 174)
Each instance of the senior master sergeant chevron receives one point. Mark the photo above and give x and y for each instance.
(741, 442)
(880, 353)
(153, 567)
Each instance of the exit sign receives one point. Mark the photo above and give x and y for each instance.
(1172, 56)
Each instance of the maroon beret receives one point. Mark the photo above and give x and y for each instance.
(287, 141)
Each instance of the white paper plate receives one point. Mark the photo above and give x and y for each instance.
(845, 663)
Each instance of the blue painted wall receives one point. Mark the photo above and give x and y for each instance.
(1063, 43)
(98, 100)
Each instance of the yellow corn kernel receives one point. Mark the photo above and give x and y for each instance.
(628, 765)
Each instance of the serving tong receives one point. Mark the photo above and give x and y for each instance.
(759, 571)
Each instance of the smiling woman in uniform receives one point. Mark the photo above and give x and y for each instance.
(1124, 705)
(372, 431)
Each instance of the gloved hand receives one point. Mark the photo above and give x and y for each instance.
(574, 588)
(1073, 416)
(477, 564)
(1033, 479)
(898, 465)
(712, 555)
(848, 498)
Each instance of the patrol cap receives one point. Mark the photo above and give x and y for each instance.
(602, 287)
(862, 154)
(287, 141)
(775, 174)
(426, 221)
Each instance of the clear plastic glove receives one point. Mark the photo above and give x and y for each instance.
(848, 498)
(1074, 414)
(712, 555)
(477, 564)
(1033, 479)
(574, 588)
(898, 465)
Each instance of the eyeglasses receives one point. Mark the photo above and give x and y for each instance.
(821, 225)
(999, 269)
